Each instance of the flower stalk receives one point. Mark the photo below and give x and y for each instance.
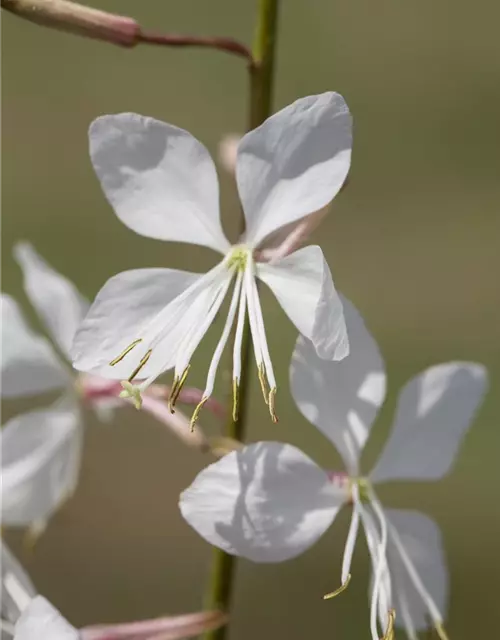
(220, 588)
(124, 31)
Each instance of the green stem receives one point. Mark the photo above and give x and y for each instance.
(220, 588)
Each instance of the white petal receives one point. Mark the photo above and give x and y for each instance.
(435, 409)
(343, 398)
(41, 620)
(303, 285)
(294, 163)
(160, 180)
(17, 588)
(29, 364)
(267, 502)
(119, 315)
(421, 539)
(56, 300)
(41, 453)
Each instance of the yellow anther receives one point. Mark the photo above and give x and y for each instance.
(440, 630)
(263, 383)
(196, 412)
(343, 587)
(140, 365)
(124, 352)
(177, 388)
(236, 397)
(272, 395)
(131, 391)
(389, 632)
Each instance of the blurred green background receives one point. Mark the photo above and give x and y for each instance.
(413, 241)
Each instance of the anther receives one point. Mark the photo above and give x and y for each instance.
(140, 365)
(196, 412)
(389, 632)
(263, 384)
(236, 394)
(125, 352)
(271, 397)
(343, 587)
(177, 388)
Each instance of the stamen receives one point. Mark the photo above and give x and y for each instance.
(343, 587)
(196, 412)
(270, 402)
(125, 352)
(377, 582)
(140, 365)
(177, 388)
(236, 397)
(389, 632)
(263, 383)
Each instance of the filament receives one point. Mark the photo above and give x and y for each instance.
(377, 507)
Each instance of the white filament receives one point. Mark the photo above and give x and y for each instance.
(351, 538)
(382, 560)
(262, 333)
(193, 338)
(238, 337)
(212, 371)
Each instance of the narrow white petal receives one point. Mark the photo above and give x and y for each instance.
(425, 587)
(123, 310)
(294, 163)
(29, 363)
(41, 620)
(435, 410)
(267, 502)
(303, 285)
(17, 588)
(341, 399)
(41, 453)
(56, 300)
(160, 180)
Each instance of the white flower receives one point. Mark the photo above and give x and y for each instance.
(40, 619)
(162, 183)
(41, 449)
(269, 501)
(17, 591)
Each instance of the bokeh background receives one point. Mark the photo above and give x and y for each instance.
(413, 241)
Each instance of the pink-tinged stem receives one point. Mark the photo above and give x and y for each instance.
(120, 30)
(168, 628)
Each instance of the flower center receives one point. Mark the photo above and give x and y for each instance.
(238, 257)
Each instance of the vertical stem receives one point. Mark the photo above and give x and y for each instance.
(261, 69)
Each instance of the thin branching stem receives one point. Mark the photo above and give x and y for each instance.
(221, 586)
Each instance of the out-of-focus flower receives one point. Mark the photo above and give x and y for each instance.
(28, 616)
(17, 591)
(162, 183)
(270, 502)
(41, 449)
(41, 620)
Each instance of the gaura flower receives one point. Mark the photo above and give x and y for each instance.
(28, 616)
(41, 449)
(162, 184)
(270, 502)
(17, 591)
